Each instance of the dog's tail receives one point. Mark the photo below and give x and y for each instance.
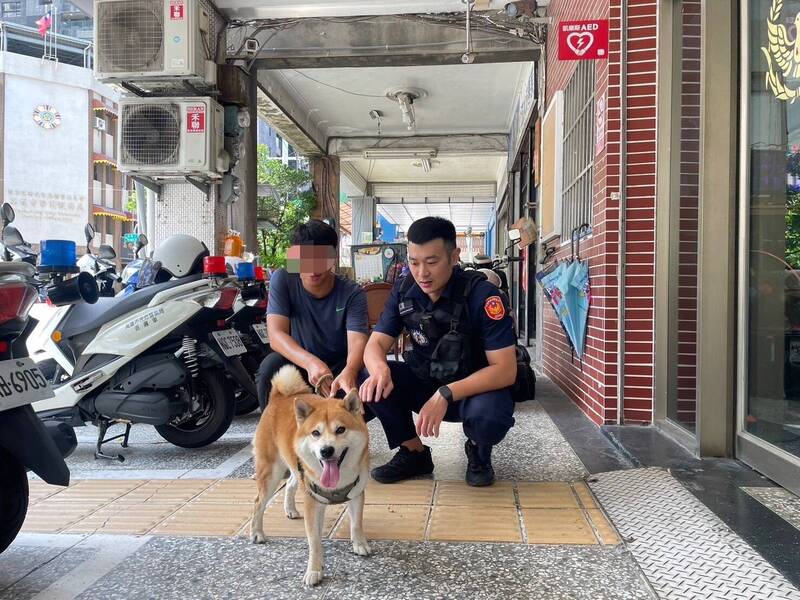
(289, 381)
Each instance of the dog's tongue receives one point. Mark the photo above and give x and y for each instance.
(330, 473)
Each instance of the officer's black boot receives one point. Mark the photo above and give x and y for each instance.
(479, 465)
(406, 463)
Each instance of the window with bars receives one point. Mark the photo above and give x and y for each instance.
(578, 165)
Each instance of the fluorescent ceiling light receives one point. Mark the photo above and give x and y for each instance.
(398, 153)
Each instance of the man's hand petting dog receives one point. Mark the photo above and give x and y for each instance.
(317, 370)
(431, 415)
(378, 386)
(346, 381)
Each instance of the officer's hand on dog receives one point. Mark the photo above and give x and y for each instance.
(431, 416)
(377, 387)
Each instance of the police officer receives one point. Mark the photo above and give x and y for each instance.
(459, 368)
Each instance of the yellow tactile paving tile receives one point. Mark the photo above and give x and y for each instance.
(126, 519)
(557, 526)
(458, 493)
(166, 490)
(53, 517)
(586, 496)
(209, 518)
(237, 491)
(96, 490)
(546, 494)
(389, 522)
(405, 492)
(553, 512)
(39, 490)
(605, 531)
(474, 524)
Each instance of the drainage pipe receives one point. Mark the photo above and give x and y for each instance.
(623, 181)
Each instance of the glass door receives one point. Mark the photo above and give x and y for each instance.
(769, 326)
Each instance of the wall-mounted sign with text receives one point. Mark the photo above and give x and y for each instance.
(583, 40)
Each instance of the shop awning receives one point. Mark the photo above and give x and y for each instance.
(99, 106)
(119, 215)
(102, 159)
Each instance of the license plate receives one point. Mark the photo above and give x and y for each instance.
(261, 332)
(21, 383)
(230, 342)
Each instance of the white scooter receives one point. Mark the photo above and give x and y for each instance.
(157, 356)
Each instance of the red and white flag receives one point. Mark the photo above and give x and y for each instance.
(44, 24)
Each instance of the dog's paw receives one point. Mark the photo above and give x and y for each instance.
(312, 578)
(258, 537)
(292, 514)
(362, 548)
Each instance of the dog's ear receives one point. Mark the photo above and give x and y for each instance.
(352, 403)
(301, 409)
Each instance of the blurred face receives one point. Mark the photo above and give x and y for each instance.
(313, 263)
(431, 265)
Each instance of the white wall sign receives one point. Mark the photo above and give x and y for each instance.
(600, 124)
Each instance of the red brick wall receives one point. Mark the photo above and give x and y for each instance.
(688, 231)
(593, 385)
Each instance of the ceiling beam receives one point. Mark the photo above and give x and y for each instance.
(284, 113)
(385, 41)
(468, 144)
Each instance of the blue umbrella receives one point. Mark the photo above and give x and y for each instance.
(567, 288)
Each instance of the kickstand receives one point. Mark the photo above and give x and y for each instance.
(101, 439)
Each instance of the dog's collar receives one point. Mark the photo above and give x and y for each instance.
(337, 496)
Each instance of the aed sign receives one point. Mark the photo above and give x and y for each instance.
(583, 40)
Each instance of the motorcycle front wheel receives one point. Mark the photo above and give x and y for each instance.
(13, 499)
(218, 409)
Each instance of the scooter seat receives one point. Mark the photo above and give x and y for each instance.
(87, 317)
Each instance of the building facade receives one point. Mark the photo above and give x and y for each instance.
(58, 153)
(685, 173)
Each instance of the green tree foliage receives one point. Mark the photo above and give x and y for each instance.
(289, 204)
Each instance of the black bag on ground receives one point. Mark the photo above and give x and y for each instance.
(524, 387)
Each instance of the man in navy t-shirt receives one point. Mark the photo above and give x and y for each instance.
(315, 318)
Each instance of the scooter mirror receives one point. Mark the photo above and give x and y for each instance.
(88, 231)
(107, 252)
(8, 214)
(11, 236)
(514, 234)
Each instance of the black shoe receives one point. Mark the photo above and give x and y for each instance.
(403, 465)
(479, 465)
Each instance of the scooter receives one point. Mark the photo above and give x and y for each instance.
(101, 266)
(25, 442)
(157, 356)
(248, 319)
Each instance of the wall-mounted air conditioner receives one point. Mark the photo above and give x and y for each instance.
(154, 40)
(99, 123)
(164, 137)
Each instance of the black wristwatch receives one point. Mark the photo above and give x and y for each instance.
(446, 393)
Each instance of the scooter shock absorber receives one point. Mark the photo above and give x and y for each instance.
(189, 347)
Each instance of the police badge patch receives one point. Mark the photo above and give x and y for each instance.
(419, 337)
(494, 308)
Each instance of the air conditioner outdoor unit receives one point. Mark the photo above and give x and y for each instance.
(154, 40)
(99, 124)
(167, 137)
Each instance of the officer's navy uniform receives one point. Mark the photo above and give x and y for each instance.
(485, 324)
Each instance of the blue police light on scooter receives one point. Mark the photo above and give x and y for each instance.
(246, 271)
(58, 256)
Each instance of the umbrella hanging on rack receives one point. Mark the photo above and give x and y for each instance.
(567, 288)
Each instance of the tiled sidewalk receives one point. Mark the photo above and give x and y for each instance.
(419, 510)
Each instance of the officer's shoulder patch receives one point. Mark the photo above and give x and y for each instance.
(493, 306)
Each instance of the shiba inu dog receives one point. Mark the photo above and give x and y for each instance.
(325, 445)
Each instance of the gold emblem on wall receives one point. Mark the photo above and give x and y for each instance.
(783, 55)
